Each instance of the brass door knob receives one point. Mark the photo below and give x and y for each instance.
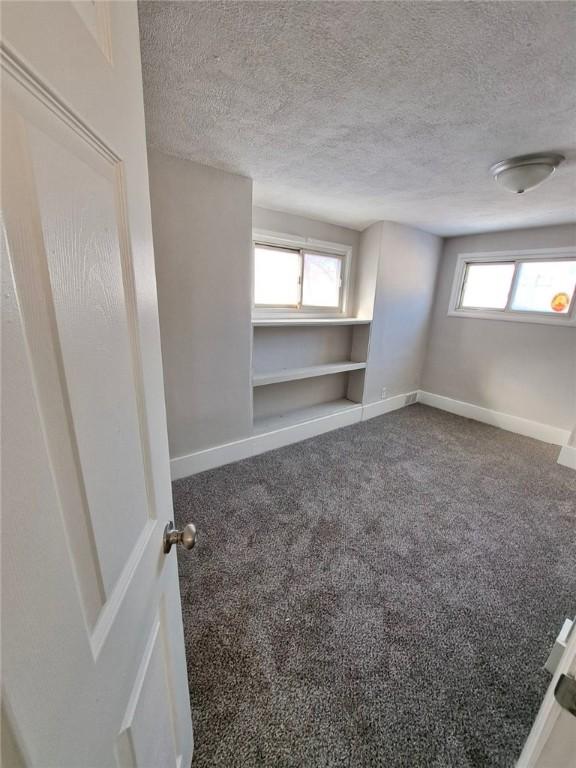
(186, 537)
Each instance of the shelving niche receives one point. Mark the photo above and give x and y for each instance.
(306, 369)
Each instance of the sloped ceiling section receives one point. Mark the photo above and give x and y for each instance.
(353, 112)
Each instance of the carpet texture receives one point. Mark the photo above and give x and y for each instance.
(382, 595)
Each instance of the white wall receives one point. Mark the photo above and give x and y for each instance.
(401, 263)
(202, 223)
(203, 219)
(522, 369)
(288, 223)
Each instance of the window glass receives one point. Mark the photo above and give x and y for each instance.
(544, 286)
(276, 276)
(322, 275)
(486, 286)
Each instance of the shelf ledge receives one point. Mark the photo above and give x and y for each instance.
(309, 372)
(280, 322)
(303, 415)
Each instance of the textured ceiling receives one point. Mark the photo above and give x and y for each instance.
(353, 112)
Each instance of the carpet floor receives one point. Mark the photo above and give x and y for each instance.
(382, 595)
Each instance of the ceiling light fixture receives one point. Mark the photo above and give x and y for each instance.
(526, 171)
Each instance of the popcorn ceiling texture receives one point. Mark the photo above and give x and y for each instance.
(353, 112)
(382, 596)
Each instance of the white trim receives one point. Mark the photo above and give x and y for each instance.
(263, 425)
(380, 407)
(568, 320)
(529, 253)
(507, 317)
(567, 456)
(536, 429)
(559, 647)
(268, 237)
(192, 463)
(280, 322)
(544, 733)
(183, 466)
(264, 378)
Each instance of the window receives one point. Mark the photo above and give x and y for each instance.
(544, 286)
(486, 286)
(276, 277)
(533, 286)
(298, 279)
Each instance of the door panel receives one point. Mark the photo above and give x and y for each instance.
(552, 740)
(96, 17)
(77, 193)
(149, 700)
(34, 307)
(94, 672)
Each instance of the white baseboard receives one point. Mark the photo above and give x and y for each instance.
(192, 463)
(380, 407)
(183, 466)
(568, 456)
(521, 426)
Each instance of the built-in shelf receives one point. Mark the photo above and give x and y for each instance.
(272, 423)
(299, 321)
(309, 372)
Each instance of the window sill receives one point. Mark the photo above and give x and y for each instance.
(306, 321)
(568, 322)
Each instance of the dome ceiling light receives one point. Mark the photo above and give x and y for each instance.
(524, 172)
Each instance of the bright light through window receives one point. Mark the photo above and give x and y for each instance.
(545, 286)
(321, 286)
(296, 279)
(276, 277)
(532, 287)
(486, 286)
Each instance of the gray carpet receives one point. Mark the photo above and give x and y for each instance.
(382, 595)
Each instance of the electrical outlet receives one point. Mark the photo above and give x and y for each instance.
(383, 397)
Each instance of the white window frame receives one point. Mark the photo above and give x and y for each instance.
(321, 247)
(507, 314)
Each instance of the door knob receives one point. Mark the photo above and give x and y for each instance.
(186, 537)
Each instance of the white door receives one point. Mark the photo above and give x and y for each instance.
(93, 665)
(552, 740)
